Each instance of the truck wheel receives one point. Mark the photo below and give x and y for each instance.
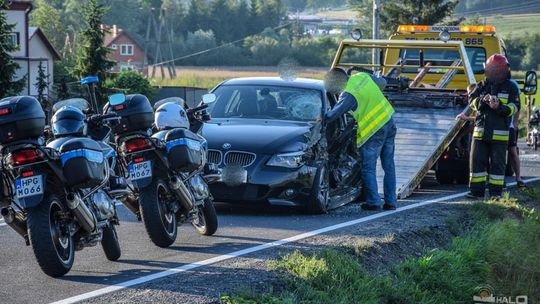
(206, 222)
(444, 177)
(110, 244)
(318, 200)
(51, 240)
(159, 221)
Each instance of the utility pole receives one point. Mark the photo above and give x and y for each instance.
(376, 32)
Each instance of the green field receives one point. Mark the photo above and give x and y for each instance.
(515, 25)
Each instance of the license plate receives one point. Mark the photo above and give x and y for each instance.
(140, 170)
(29, 186)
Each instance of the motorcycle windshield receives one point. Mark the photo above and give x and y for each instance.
(176, 100)
(79, 103)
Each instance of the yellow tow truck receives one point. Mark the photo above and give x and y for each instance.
(480, 42)
(427, 69)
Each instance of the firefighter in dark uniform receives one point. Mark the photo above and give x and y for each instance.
(494, 101)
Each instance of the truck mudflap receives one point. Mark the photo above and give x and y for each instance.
(423, 134)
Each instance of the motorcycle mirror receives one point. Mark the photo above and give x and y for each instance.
(531, 83)
(117, 99)
(209, 98)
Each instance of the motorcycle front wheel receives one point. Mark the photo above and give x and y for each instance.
(158, 219)
(50, 237)
(206, 221)
(110, 244)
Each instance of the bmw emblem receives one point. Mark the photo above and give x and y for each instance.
(226, 146)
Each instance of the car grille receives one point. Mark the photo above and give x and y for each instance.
(214, 156)
(244, 159)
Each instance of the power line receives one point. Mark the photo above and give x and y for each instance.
(214, 48)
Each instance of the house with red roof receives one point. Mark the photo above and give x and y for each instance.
(127, 52)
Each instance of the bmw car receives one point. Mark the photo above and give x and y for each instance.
(273, 146)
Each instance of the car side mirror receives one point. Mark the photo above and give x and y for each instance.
(209, 98)
(531, 83)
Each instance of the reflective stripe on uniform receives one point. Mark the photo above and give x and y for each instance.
(501, 135)
(481, 179)
(478, 174)
(513, 109)
(478, 177)
(496, 179)
(474, 104)
(478, 132)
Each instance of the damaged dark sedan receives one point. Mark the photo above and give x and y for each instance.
(268, 137)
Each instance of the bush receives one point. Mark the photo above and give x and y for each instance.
(131, 82)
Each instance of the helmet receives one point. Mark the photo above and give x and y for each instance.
(497, 68)
(68, 120)
(171, 115)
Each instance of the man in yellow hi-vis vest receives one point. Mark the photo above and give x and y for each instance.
(361, 95)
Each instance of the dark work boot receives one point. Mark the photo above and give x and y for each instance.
(369, 207)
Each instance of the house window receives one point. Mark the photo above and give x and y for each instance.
(15, 39)
(127, 67)
(126, 49)
(114, 46)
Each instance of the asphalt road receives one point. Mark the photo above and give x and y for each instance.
(240, 228)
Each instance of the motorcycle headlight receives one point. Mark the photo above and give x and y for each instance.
(287, 160)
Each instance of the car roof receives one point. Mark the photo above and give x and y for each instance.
(304, 83)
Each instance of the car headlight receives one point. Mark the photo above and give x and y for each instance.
(287, 160)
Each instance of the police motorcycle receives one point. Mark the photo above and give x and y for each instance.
(167, 169)
(57, 195)
(533, 135)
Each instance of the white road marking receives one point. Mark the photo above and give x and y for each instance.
(239, 253)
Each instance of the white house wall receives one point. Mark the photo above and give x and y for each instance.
(40, 53)
(18, 18)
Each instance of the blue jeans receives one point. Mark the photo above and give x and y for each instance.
(380, 144)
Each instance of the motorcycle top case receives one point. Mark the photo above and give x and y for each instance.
(185, 151)
(136, 114)
(83, 163)
(21, 117)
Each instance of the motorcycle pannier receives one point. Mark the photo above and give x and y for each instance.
(21, 117)
(83, 163)
(136, 112)
(184, 150)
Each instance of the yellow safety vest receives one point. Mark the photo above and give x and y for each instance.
(373, 109)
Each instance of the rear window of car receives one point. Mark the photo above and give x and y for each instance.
(266, 102)
(476, 55)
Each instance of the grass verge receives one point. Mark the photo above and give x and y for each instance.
(502, 250)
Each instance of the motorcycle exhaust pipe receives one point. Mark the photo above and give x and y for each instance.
(15, 221)
(82, 213)
(186, 198)
(132, 203)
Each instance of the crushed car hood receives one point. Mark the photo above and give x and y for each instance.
(259, 136)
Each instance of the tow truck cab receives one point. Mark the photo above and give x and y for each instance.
(480, 42)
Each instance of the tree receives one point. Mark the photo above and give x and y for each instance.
(131, 82)
(42, 84)
(394, 13)
(196, 16)
(421, 11)
(8, 67)
(91, 55)
(48, 19)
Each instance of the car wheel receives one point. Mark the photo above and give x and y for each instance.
(318, 200)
